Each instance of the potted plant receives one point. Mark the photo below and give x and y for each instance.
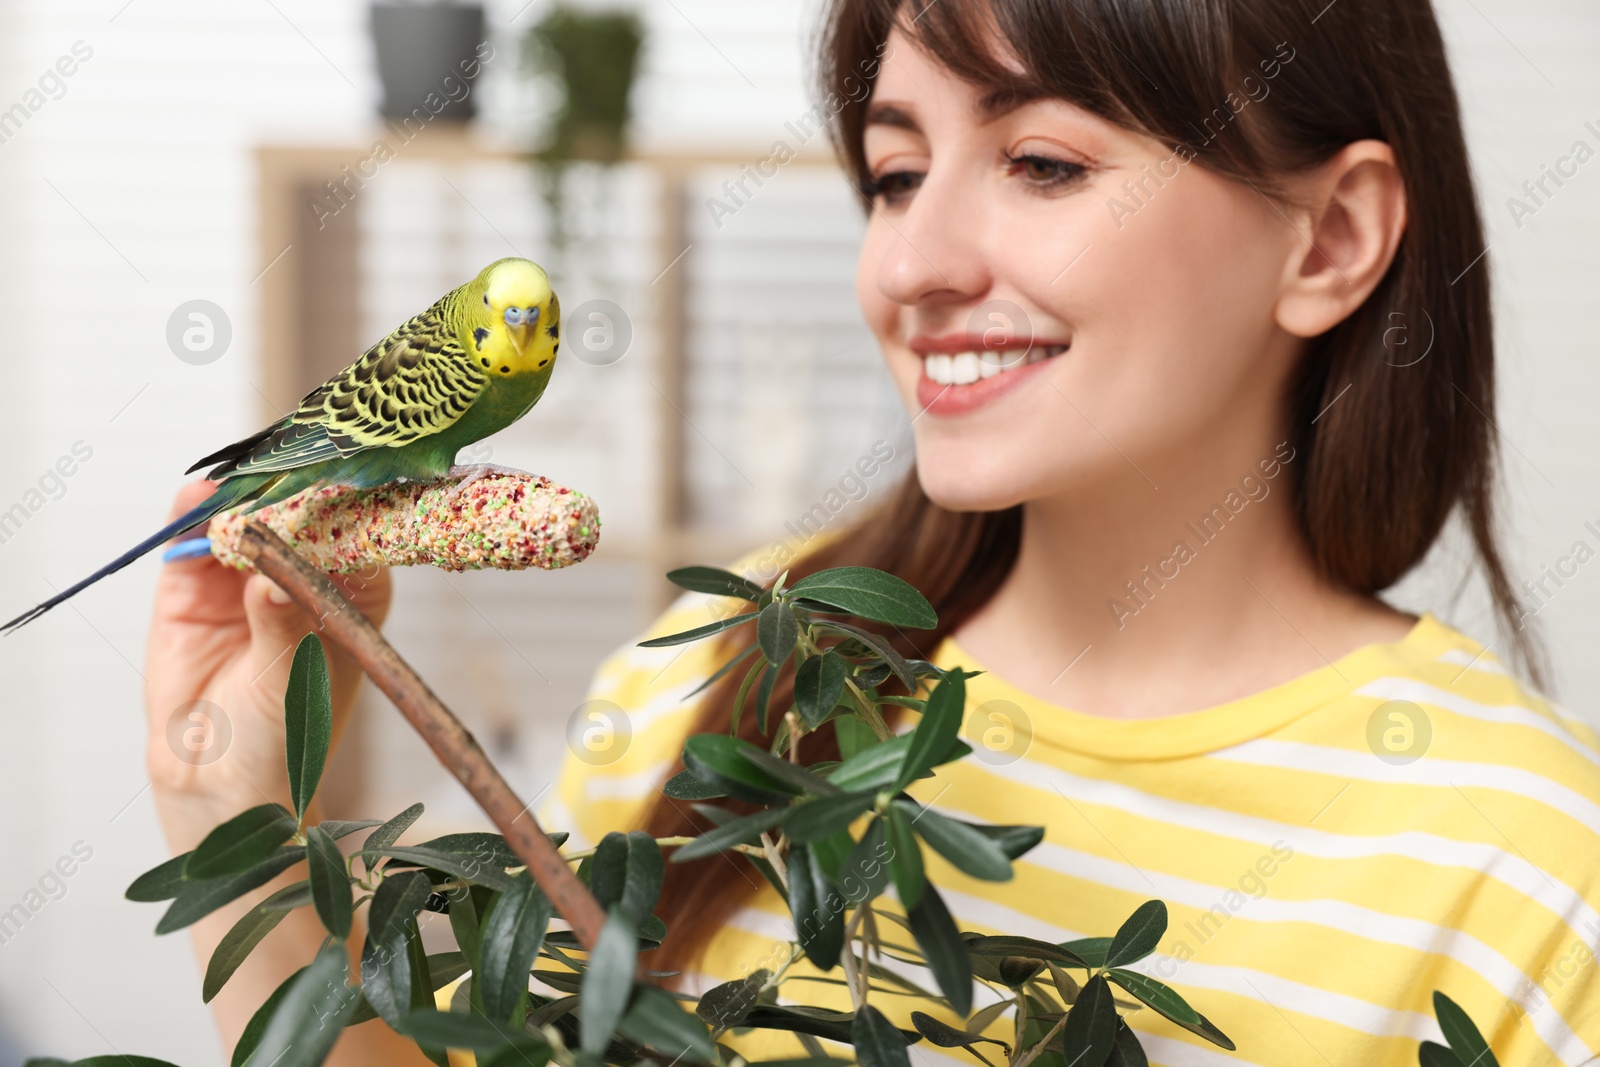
(428, 54)
(832, 837)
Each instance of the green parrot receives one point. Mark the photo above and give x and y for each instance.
(469, 366)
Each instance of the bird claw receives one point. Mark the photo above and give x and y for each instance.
(473, 472)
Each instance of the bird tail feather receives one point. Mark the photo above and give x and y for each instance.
(227, 494)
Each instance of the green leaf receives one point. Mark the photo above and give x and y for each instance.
(1091, 1028)
(803, 779)
(311, 1015)
(700, 631)
(758, 668)
(161, 882)
(722, 670)
(476, 1033)
(869, 594)
(937, 729)
(242, 938)
(512, 936)
(608, 983)
(655, 1019)
(1091, 950)
(826, 815)
(960, 843)
(816, 907)
(718, 759)
(715, 581)
(745, 830)
(466, 920)
(764, 697)
(307, 721)
(110, 1060)
(627, 871)
(865, 871)
(896, 664)
(330, 882)
(943, 948)
(1014, 841)
(1138, 937)
(477, 857)
(685, 785)
(777, 630)
(340, 828)
(386, 972)
(1166, 1001)
(905, 858)
(240, 843)
(387, 834)
(251, 1037)
(202, 897)
(818, 685)
(879, 766)
(1127, 1052)
(1433, 1054)
(725, 1006)
(819, 1022)
(854, 736)
(948, 1036)
(878, 1043)
(1025, 947)
(1018, 971)
(1465, 1039)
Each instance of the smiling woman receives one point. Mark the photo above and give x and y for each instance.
(1086, 383)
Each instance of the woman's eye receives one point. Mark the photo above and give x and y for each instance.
(1043, 170)
(894, 187)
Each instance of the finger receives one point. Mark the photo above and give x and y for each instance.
(276, 626)
(198, 590)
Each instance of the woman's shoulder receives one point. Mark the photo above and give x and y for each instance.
(1467, 693)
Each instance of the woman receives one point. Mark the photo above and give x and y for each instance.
(1144, 275)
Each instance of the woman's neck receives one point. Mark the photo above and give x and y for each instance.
(1170, 591)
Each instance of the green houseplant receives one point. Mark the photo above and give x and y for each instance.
(832, 837)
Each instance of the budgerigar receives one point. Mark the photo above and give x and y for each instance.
(470, 365)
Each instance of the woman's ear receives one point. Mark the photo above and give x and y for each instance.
(1353, 209)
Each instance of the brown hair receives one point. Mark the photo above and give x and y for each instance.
(1385, 466)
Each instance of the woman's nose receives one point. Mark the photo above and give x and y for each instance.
(934, 249)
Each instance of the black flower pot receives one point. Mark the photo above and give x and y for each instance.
(429, 59)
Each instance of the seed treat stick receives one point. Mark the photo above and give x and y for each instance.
(503, 521)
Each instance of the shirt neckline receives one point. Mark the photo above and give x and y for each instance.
(1188, 733)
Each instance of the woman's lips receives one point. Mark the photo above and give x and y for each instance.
(956, 383)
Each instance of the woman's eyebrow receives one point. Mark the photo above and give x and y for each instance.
(997, 103)
(884, 114)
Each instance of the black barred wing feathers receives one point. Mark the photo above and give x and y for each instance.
(412, 384)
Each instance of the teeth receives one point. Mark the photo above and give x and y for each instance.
(964, 368)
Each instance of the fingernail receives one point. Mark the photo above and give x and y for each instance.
(275, 593)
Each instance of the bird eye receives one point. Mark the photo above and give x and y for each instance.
(485, 299)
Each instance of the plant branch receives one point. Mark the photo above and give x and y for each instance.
(451, 742)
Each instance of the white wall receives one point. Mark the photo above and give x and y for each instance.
(134, 192)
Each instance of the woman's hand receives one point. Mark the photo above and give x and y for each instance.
(217, 665)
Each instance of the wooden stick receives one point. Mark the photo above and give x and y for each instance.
(452, 742)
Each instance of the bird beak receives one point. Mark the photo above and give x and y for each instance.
(522, 336)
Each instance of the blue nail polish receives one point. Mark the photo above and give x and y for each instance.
(193, 548)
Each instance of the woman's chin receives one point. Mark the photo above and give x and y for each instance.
(968, 488)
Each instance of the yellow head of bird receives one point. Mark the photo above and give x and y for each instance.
(523, 313)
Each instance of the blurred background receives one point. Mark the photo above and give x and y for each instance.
(206, 208)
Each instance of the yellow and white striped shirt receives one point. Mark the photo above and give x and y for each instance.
(1331, 851)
